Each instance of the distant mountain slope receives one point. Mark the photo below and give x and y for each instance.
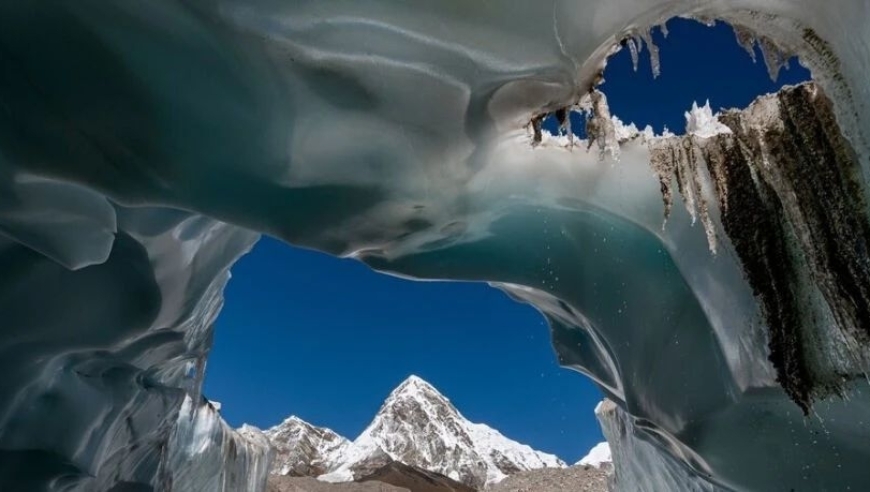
(417, 426)
(305, 450)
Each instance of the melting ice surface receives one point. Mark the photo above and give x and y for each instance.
(144, 146)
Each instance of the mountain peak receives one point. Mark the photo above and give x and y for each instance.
(414, 379)
(302, 449)
(418, 426)
(416, 402)
(414, 384)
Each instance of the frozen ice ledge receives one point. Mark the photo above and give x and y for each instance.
(144, 146)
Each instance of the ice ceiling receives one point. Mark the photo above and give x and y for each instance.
(145, 145)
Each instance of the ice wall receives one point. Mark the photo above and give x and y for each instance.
(205, 454)
(640, 465)
(144, 145)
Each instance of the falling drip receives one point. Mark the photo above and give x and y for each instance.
(774, 57)
(746, 40)
(646, 35)
(632, 46)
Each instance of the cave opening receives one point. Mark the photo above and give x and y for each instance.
(692, 61)
(328, 341)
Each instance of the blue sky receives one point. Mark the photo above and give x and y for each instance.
(327, 339)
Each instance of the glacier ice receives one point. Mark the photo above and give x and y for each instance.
(144, 146)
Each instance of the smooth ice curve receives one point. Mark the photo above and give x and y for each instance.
(144, 146)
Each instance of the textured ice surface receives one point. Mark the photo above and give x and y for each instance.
(205, 454)
(642, 465)
(144, 145)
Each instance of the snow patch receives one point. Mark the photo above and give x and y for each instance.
(701, 122)
(597, 456)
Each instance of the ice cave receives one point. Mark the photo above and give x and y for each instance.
(145, 146)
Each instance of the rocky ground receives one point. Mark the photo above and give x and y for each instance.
(392, 477)
(572, 479)
(577, 478)
(415, 479)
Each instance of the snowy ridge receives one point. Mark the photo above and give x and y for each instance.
(417, 426)
(303, 449)
(701, 121)
(597, 456)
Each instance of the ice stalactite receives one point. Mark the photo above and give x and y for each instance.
(664, 163)
(646, 35)
(764, 167)
(774, 55)
(676, 159)
(746, 40)
(563, 118)
(599, 125)
(635, 48)
(635, 41)
(663, 27)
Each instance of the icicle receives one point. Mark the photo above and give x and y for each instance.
(685, 178)
(774, 57)
(676, 159)
(537, 136)
(632, 46)
(646, 35)
(638, 43)
(599, 126)
(664, 28)
(746, 39)
(198, 378)
(663, 163)
(563, 117)
(570, 132)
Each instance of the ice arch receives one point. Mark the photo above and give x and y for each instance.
(145, 145)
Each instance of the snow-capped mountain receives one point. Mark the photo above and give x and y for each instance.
(599, 455)
(302, 449)
(419, 426)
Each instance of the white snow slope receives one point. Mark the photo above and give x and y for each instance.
(597, 456)
(302, 449)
